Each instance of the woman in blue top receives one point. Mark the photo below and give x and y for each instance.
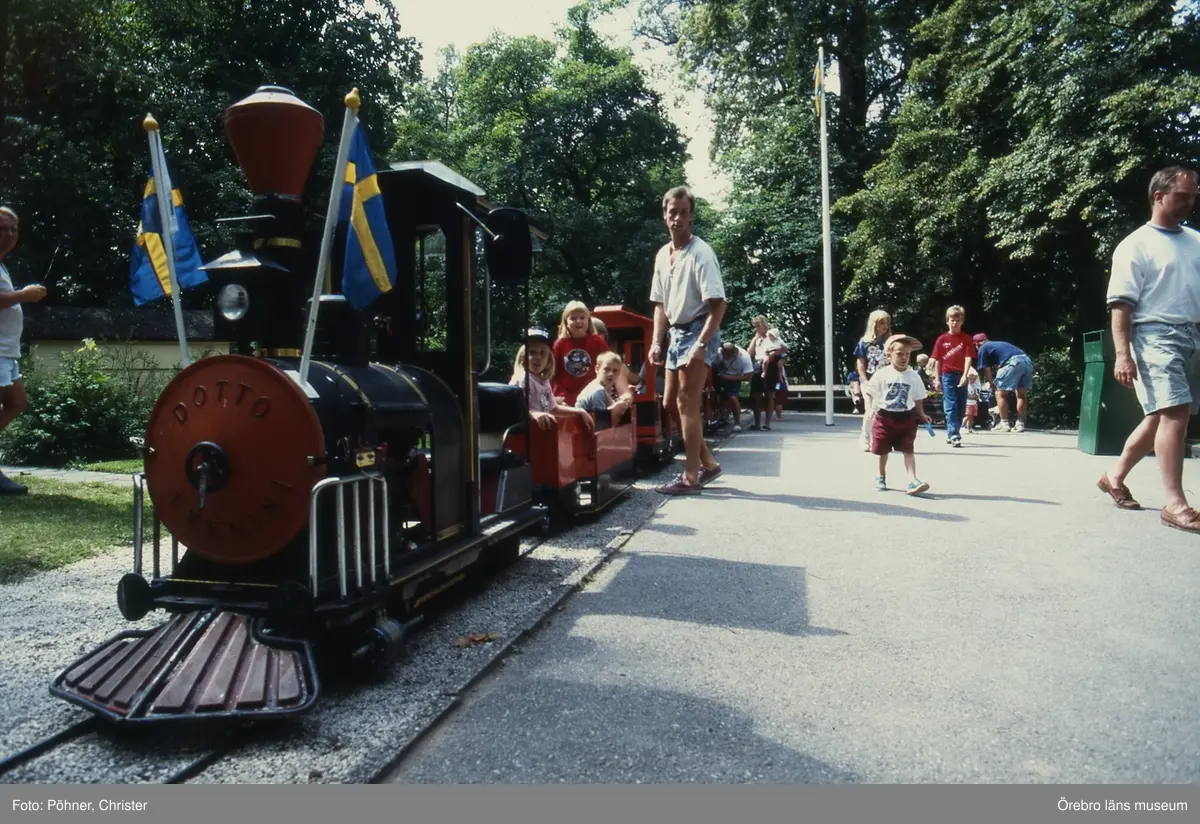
(871, 354)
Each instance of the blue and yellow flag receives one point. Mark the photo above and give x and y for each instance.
(369, 268)
(148, 275)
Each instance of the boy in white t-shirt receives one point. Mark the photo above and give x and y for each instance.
(898, 396)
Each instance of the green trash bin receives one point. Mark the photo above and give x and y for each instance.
(1108, 411)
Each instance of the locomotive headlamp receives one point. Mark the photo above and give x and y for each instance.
(233, 301)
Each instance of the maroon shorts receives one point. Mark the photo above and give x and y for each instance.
(893, 430)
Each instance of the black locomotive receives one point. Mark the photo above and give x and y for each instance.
(311, 524)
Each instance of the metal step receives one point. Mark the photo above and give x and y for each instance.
(208, 664)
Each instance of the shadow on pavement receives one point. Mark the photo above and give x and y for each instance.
(706, 591)
(549, 729)
(936, 497)
(669, 529)
(833, 504)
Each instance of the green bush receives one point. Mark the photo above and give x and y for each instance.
(82, 413)
(1057, 390)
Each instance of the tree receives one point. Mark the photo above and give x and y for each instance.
(570, 132)
(754, 60)
(1023, 157)
(79, 77)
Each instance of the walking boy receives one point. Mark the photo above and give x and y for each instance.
(951, 358)
(898, 395)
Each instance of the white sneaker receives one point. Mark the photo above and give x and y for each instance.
(737, 428)
(1019, 426)
(1004, 426)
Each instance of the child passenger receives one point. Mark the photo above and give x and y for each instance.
(575, 352)
(602, 395)
(898, 396)
(533, 372)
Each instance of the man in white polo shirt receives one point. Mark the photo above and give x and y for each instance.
(1154, 294)
(689, 303)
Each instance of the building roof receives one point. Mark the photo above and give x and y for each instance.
(144, 323)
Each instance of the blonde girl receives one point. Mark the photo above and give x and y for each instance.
(534, 372)
(575, 352)
(871, 354)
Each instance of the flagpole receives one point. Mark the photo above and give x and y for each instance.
(331, 218)
(828, 252)
(166, 218)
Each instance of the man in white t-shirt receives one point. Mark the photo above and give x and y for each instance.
(1154, 295)
(689, 303)
(12, 388)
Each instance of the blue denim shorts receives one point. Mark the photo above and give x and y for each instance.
(680, 341)
(1015, 373)
(1168, 365)
(10, 372)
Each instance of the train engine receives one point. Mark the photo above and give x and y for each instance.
(299, 526)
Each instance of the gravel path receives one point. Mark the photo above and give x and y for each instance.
(51, 619)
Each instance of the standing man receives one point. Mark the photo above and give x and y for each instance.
(12, 323)
(689, 297)
(1154, 294)
(1014, 373)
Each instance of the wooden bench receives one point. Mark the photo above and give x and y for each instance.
(800, 395)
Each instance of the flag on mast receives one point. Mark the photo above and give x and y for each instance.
(369, 268)
(149, 276)
(818, 84)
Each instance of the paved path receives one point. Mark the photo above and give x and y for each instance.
(71, 475)
(794, 625)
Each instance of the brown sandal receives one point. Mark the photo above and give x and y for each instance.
(1121, 495)
(1188, 520)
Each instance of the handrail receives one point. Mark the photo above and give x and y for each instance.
(356, 544)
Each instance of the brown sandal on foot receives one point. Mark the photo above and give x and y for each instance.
(1121, 495)
(1188, 520)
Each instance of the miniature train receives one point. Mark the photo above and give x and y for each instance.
(311, 526)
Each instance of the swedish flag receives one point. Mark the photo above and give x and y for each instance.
(149, 278)
(369, 268)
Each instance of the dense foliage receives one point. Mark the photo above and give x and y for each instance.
(988, 154)
(571, 132)
(79, 76)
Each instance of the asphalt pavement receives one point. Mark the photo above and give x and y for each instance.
(792, 624)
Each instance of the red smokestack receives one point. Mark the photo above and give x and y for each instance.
(275, 136)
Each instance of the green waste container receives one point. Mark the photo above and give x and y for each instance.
(1108, 411)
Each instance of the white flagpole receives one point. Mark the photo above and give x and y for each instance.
(331, 216)
(828, 250)
(166, 219)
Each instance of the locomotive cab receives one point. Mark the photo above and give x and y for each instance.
(313, 521)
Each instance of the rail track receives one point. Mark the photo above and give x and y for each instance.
(229, 741)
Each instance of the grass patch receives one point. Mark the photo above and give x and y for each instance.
(127, 467)
(60, 522)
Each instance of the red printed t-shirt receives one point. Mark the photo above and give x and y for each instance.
(951, 351)
(575, 364)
